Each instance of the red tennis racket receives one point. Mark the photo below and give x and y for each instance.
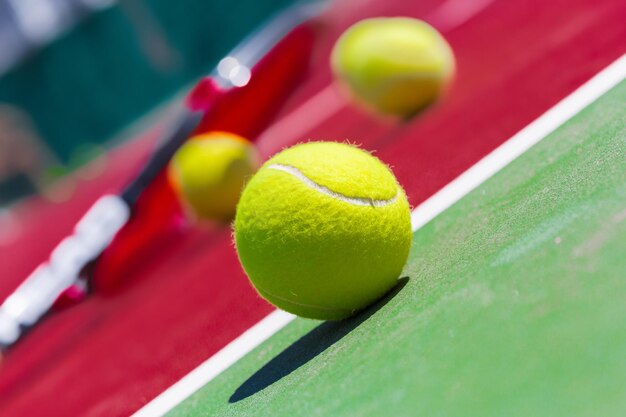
(242, 95)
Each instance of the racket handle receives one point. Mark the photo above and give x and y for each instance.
(34, 297)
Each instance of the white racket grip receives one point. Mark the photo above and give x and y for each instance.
(9, 329)
(100, 224)
(27, 303)
(34, 297)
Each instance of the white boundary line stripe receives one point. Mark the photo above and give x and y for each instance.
(428, 210)
(216, 364)
(313, 112)
(519, 143)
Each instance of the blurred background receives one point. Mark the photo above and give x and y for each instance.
(76, 75)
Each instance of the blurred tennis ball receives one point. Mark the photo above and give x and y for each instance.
(209, 171)
(396, 66)
(323, 230)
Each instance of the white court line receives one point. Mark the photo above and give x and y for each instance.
(453, 13)
(519, 143)
(429, 209)
(216, 364)
(316, 110)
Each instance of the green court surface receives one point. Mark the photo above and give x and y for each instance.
(512, 304)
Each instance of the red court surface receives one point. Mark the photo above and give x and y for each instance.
(114, 352)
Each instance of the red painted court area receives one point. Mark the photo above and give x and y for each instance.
(112, 353)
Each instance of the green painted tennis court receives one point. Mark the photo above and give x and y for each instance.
(512, 299)
(512, 302)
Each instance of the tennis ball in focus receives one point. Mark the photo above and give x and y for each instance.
(208, 173)
(323, 230)
(396, 66)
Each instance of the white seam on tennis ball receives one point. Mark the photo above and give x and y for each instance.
(357, 201)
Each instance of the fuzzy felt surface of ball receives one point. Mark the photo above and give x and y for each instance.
(209, 171)
(395, 66)
(323, 230)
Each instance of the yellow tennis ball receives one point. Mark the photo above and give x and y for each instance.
(396, 66)
(323, 230)
(209, 171)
